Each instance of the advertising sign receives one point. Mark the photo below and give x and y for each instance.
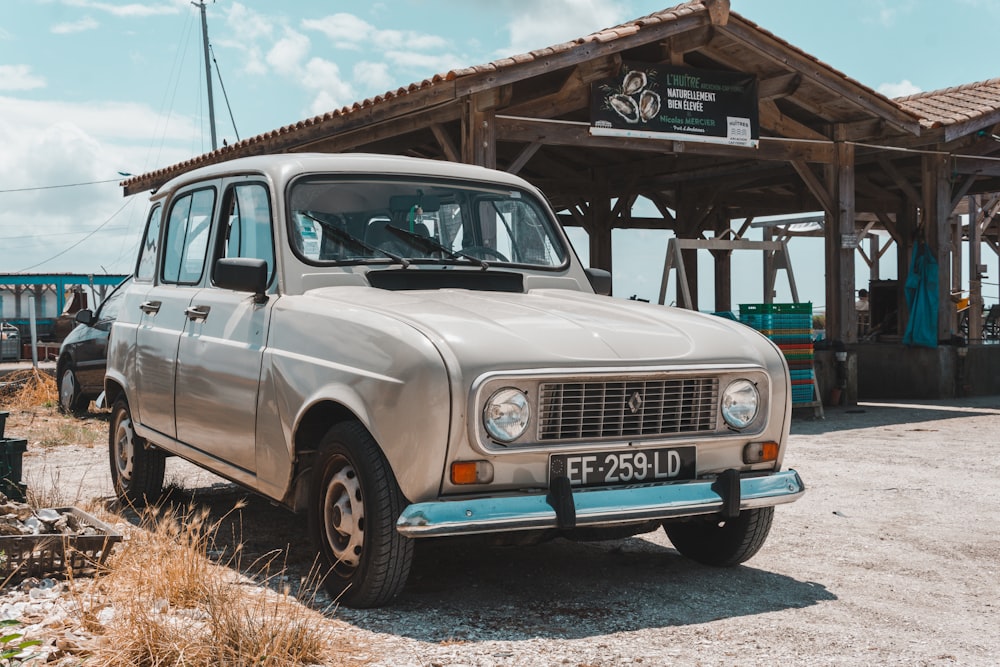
(676, 103)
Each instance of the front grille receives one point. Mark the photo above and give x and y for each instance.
(621, 408)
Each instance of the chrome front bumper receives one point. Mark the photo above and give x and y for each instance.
(593, 507)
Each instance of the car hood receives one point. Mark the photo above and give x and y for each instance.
(556, 327)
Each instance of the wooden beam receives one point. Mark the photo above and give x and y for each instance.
(522, 159)
(479, 138)
(911, 193)
(963, 190)
(815, 186)
(779, 86)
(447, 145)
(977, 166)
(550, 132)
(772, 119)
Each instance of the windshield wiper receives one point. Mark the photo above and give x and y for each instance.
(349, 239)
(428, 244)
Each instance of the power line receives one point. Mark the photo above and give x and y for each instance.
(96, 229)
(66, 185)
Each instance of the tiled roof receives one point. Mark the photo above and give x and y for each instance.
(955, 105)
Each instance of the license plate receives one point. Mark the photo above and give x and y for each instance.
(629, 467)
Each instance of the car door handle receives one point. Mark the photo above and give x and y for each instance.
(197, 312)
(150, 307)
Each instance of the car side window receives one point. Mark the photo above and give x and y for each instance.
(146, 268)
(186, 238)
(248, 232)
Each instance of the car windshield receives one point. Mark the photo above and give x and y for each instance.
(337, 220)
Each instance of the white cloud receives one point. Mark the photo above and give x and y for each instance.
(19, 77)
(372, 76)
(347, 31)
(84, 24)
(901, 89)
(132, 9)
(556, 21)
(288, 53)
(246, 23)
(52, 143)
(324, 76)
(424, 63)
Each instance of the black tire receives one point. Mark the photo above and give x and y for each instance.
(353, 506)
(136, 468)
(70, 399)
(721, 543)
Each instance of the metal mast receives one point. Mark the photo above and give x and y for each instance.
(208, 71)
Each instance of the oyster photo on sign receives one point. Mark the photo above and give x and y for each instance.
(633, 82)
(649, 105)
(625, 107)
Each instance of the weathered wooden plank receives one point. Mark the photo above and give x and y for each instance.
(772, 119)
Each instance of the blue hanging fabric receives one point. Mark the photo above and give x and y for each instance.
(922, 298)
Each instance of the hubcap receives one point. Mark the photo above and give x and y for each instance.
(344, 516)
(67, 388)
(124, 448)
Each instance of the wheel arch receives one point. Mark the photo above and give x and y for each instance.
(312, 426)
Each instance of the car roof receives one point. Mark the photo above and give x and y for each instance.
(284, 166)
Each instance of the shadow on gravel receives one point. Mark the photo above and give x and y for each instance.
(892, 413)
(463, 589)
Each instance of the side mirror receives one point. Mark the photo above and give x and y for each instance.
(600, 280)
(85, 316)
(243, 274)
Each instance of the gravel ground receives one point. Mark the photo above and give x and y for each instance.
(890, 558)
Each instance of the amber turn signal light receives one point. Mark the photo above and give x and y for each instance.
(759, 452)
(471, 472)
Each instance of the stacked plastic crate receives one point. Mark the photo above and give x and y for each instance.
(789, 325)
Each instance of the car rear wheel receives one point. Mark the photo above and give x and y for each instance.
(70, 400)
(722, 543)
(136, 469)
(353, 507)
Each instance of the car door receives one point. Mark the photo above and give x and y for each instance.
(222, 344)
(180, 274)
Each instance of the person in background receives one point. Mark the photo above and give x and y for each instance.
(861, 305)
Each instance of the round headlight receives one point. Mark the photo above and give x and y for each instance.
(506, 414)
(740, 402)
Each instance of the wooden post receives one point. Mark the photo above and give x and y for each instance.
(479, 144)
(975, 276)
(907, 220)
(841, 243)
(723, 266)
(600, 225)
(937, 233)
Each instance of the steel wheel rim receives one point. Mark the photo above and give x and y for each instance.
(67, 388)
(124, 448)
(344, 516)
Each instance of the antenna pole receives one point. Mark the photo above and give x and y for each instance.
(208, 71)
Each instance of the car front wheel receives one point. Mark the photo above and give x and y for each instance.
(354, 504)
(722, 542)
(136, 469)
(70, 400)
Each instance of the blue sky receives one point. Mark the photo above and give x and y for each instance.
(92, 88)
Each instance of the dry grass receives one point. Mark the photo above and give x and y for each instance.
(27, 389)
(161, 600)
(195, 612)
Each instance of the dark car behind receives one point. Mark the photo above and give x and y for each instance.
(83, 354)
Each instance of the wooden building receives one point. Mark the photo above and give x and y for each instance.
(825, 143)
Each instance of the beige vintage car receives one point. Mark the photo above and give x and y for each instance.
(402, 349)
